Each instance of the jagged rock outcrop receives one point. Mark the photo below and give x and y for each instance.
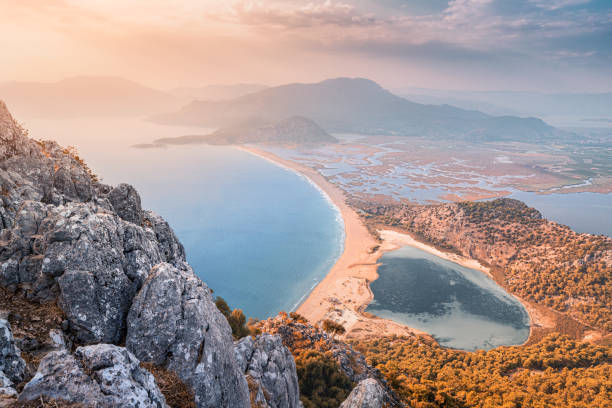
(126, 203)
(174, 322)
(102, 375)
(12, 366)
(13, 139)
(270, 370)
(85, 255)
(64, 236)
(367, 394)
(90, 248)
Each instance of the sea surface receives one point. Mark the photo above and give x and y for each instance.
(583, 212)
(261, 236)
(461, 307)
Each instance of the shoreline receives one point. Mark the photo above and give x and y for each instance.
(344, 293)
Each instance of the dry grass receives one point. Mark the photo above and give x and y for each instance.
(30, 323)
(48, 403)
(176, 392)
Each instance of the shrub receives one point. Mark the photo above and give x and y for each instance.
(322, 384)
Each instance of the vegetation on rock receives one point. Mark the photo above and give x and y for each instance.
(322, 384)
(235, 318)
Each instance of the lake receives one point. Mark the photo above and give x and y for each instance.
(461, 307)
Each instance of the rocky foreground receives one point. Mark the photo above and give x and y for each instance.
(97, 297)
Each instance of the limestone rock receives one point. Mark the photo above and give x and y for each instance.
(174, 322)
(12, 366)
(84, 255)
(12, 138)
(102, 375)
(116, 271)
(367, 394)
(126, 202)
(270, 370)
(7, 388)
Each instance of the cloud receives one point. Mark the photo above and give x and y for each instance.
(312, 14)
(557, 4)
(272, 38)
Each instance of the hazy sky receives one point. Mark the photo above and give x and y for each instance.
(546, 45)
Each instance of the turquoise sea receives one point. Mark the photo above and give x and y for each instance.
(260, 235)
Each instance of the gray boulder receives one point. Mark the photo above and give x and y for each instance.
(367, 394)
(174, 322)
(270, 370)
(12, 366)
(126, 202)
(7, 388)
(84, 255)
(102, 375)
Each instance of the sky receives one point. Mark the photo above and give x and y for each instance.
(540, 45)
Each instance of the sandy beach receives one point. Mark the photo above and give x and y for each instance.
(344, 293)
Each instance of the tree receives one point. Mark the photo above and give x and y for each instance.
(322, 383)
(223, 307)
(333, 328)
(236, 318)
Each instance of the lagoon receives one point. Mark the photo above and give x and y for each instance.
(461, 307)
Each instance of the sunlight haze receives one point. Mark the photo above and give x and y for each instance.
(556, 45)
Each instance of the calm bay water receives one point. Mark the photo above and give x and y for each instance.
(462, 307)
(259, 235)
(583, 212)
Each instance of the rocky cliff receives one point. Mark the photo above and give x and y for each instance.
(96, 295)
(118, 275)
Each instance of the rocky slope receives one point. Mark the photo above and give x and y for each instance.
(91, 249)
(99, 296)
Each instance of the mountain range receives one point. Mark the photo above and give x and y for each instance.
(356, 105)
(586, 105)
(216, 92)
(86, 96)
(341, 105)
(106, 96)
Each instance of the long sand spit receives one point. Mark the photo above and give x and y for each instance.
(344, 293)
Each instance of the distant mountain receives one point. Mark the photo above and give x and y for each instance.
(86, 96)
(482, 106)
(358, 106)
(217, 92)
(520, 103)
(294, 130)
